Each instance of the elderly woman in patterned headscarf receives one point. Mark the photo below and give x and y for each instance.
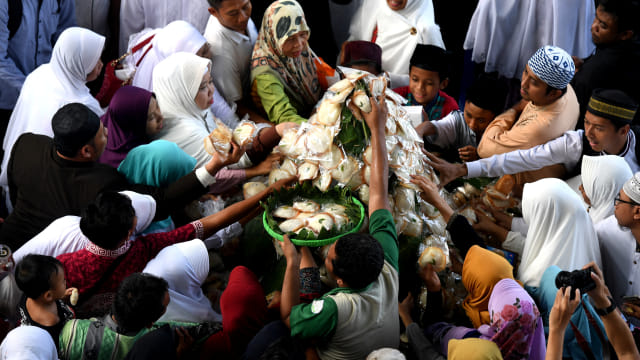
(283, 75)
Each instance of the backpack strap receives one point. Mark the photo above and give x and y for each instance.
(15, 16)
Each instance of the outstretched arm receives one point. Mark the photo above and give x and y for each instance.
(379, 182)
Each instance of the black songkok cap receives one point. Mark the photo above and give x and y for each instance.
(74, 125)
(361, 52)
(612, 104)
(432, 58)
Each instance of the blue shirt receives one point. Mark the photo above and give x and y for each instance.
(32, 44)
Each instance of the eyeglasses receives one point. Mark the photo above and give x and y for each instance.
(618, 200)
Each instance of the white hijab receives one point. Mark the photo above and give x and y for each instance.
(602, 179)
(177, 36)
(395, 30)
(50, 86)
(560, 231)
(28, 343)
(176, 83)
(185, 267)
(63, 235)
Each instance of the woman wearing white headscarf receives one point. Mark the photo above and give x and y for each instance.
(396, 30)
(28, 343)
(602, 179)
(560, 231)
(182, 83)
(74, 62)
(177, 36)
(185, 267)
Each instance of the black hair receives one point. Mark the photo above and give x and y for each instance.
(359, 259)
(74, 125)
(626, 13)
(551, 88)
(431, 58)
(488, 93)
(107, 221)
(34, 272)
(139, 302)
(215, 3)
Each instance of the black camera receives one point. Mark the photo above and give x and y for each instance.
(577, 279)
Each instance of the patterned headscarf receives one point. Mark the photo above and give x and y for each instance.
(281, 20)
(516, 326)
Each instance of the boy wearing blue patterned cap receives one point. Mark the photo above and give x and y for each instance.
(549, 107)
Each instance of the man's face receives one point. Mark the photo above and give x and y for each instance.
(624, 210)
(602, 134)
(233, 14)
(424, 85)
(604, 29)
(533, 89)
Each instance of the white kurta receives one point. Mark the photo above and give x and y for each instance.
(505, 33)
(231, 57)
(136, 15)
(398, 31)
(53, 85)
(619, 259)
(560, 231)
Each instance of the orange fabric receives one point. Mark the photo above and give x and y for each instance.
(481, 270)
(471, 349)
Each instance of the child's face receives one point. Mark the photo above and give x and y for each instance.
(58, 284)
(397, 5)
(424, 85)
(476, 117)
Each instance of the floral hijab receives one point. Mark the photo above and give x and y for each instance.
(516, 326)
(282, 19)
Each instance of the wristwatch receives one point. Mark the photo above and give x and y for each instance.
(608, 310)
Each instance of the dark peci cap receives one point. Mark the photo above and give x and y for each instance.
(361, 52)
(612, 104)
(488, 93)
(74, 125)
(432, 58)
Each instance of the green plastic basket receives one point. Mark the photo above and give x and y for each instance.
(316, 242)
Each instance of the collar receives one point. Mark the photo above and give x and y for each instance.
(626, 147)
(97, 250)
(348, 290)
(235, 36)
(433, 102)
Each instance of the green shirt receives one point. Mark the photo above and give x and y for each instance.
(319, 318)
(275, 102)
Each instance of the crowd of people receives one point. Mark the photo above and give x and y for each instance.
(123, 237)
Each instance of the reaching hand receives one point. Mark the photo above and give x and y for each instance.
(267, 164)
(448, 172)
(404, 309)
(430, 277)
(283, 183)
(563, 308)
(430, 192)
(184, 342)
(218, 161)
(600, 295)
(290, 251)
(468, 153)
(502, 219)
(377, 117)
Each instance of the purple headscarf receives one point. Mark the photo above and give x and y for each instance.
(516, 326)
(126, 121)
